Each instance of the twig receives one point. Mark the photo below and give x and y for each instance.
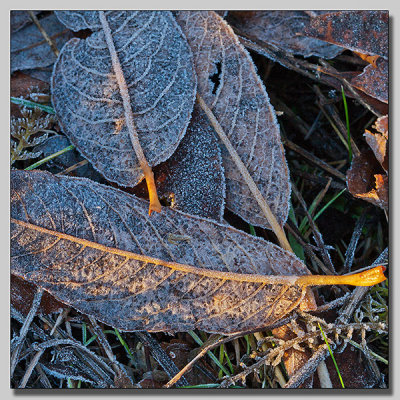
(30, 368)
(73, 167)
(332, 71)
(309, 368)
(309, 156)
(101, 338)
(317, 235)
(24, 329)
(44, 33)
(162, 358)
(351, 248)
(323, 373)
(320, 180)
(277, 229)
(17, 315)
(123, 87)
(199, 355)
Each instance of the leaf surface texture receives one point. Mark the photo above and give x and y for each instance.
(157, 66)
(105, 277)
(230, 86)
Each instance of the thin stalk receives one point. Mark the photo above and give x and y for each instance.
(346, 111)
(123, 87)
(277, 229)
(333, 358)
(50, 157)
(366, 278)
(31, 104)
(44, 33)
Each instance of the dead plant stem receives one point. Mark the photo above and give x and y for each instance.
(277, 229)
(123, 87)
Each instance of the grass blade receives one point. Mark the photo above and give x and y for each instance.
(50, 157)
(32, 104)
(328, 204)
(210, 354)
(346, 111)
(333, 358)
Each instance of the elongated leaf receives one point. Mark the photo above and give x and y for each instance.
(283, 28)
(157, 66)
(95, 248)
(228, 83)
(193, 178)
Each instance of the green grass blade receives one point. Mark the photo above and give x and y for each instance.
(84, 334)
(221, 359)
(50, 157)
(124, 344)
(333, 358)
(92, 339)
(209, 353)
(346, 111)
(328, 204)
(252, 230)
(32, 104)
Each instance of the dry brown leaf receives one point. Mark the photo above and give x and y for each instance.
(374, 81)
(118, 286)
(157, 66)
(192, 179)
(365, 178)
(96, 249)
(361, 31)
(230, 86)
(367, 34)
(284, 29)
(378, 144)
(22, 294)
(382, 125)
(363, 181)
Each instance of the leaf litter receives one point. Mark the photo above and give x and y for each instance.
(94, 248)
(215, 81)
(365, 32)
(241, 105)
(368, 178)
(283, 29)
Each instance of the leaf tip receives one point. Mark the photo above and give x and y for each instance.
(372, 276)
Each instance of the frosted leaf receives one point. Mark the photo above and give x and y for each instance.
(192, 180)
(230, 86)
(157, 65)
(19, 18)
(284, 29)
(94, 255)
(364, 31)
(29, 50)
(374, 80)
